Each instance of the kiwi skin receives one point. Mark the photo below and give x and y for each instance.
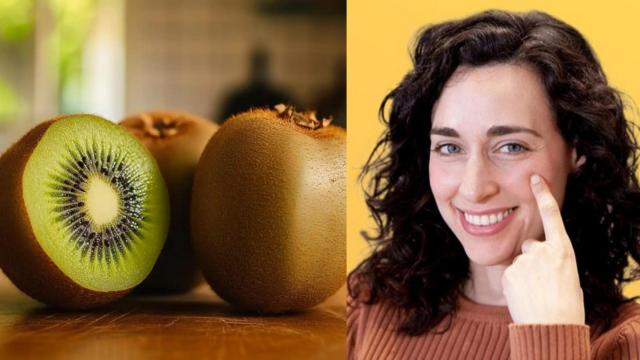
(22, 259)
(269, 211)
(176, 140)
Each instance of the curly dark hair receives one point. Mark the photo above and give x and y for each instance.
(417, 263)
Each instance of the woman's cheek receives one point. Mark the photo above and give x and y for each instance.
(443, 179)
(518, 177)
(516, 183)
(515, 180)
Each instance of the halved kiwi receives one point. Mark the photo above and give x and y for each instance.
(86, 212)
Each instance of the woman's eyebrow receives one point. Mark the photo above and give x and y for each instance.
(506, 130)
(493, 131)
(444, 131)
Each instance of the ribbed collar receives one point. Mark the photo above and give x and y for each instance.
(482, 312)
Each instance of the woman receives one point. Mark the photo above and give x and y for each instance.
(506, 199)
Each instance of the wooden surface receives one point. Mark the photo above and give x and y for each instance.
(194, 326)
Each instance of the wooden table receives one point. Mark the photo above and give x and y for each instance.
(194, 326)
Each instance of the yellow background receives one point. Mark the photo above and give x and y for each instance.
(379, 38)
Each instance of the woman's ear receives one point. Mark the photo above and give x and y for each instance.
(577, 162)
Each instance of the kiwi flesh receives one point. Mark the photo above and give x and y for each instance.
(89, 212)
(176, 140)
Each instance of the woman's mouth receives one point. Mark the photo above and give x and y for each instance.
(485, 223)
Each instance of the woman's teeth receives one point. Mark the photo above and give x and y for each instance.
(487, 219)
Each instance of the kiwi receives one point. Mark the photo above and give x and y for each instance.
(269, 210)
(88, 212)
(176, 140)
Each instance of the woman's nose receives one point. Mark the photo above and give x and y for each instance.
(478, 183)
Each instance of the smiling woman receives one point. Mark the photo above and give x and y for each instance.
(506, 202)
(492, 128)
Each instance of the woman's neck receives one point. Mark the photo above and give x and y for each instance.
(485, 284)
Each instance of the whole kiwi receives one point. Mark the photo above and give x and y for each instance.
(86, 212)
(268, 210)
(176, 140)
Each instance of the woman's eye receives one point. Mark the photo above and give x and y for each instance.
(447, 149)
(512, 148)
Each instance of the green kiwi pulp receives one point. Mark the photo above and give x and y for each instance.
(95, 203)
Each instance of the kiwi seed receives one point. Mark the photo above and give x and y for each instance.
(68, 189)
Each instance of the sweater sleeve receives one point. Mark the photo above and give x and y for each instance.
(353, 312)
(549, 342)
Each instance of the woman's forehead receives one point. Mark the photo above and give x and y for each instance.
(477, 98)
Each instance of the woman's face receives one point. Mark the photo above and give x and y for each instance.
(492, 128)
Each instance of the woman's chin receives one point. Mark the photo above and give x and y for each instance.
(489, 256)
(491, 260)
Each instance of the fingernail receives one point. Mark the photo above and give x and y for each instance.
(535, 179)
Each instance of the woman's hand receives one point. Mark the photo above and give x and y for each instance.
(542, 285)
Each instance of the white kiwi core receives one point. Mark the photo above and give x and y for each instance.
(102, 201)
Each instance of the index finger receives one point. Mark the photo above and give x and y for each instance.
(554, 230)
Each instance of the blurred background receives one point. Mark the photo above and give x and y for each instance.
(212, 58)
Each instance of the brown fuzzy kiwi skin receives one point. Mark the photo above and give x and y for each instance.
(177, 146)
(269, 213)
(21, 256)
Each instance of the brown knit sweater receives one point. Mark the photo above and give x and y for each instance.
(487, 332)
